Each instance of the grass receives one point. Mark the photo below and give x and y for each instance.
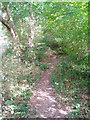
(70, 80)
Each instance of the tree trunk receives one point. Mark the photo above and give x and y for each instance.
(31, 37)
(5, 23)
(12, 30)
(11, 23)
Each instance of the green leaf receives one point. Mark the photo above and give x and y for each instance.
(5, 3)
(9, 102)
(25, 104)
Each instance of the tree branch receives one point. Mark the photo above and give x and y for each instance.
(4, 22)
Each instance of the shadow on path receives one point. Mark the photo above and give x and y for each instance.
(45, 98)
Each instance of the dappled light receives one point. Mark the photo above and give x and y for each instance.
(44, 98)
(44, 60)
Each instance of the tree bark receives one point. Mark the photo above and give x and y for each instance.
(5, 23)
(31, 37)
(12, 30)
(11, 23)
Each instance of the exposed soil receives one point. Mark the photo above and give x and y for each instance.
(45, 98)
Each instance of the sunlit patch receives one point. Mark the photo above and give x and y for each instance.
(68, 108)
(42, 116)
(56, 83)
(41, 93)
(45, 95)
(49, 88)
(63, 112)
(38, 105)
(17, 90)
(52, 67)
(39, 98)
(53, 110)
(53, 105)
(64, 98)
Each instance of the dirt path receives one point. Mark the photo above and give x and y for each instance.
(45, 99)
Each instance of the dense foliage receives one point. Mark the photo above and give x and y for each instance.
(60, 28)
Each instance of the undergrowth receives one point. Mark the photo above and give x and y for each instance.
(70, 81)
(19, 78)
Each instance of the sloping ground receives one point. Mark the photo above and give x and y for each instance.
(45, 99)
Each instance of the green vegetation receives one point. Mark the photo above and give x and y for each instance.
(70, 80)
(38, 32)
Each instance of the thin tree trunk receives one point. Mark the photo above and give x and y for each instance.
(31, 37)
(5, 23)
(11, 23)
(12, 30)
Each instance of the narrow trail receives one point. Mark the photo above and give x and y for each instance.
(45, 99)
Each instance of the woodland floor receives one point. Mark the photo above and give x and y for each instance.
(45, 99)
